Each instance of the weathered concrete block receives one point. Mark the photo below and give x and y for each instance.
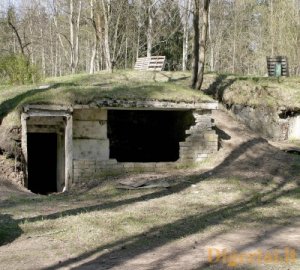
(294, 128)
(88, 149)
(128, 165)
(90, 129)
(210, 137)
(200, 159)
(90, 114)
(103, 163)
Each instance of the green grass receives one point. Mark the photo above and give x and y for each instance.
(152, 86)
(85, 89)
(257, 91)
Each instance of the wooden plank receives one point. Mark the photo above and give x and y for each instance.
(150, 63)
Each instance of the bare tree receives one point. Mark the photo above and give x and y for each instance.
(186, 18)
(196, 45)
(95, 39)
(11, 20)
(203, 43)
(74, 22)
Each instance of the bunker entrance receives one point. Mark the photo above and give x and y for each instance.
(42, 162)
(147, 136)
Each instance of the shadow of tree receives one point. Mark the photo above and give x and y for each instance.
(9, 229)
(188, 181)
(128, 248)
(11, 104)
(218, 87)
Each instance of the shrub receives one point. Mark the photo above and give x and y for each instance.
(17, 70)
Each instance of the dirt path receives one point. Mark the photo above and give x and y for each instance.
(243, 155)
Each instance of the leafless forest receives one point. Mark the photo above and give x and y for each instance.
(74, 36)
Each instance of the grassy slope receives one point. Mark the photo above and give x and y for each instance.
(83, 89)
(256, 91)
(164, 86)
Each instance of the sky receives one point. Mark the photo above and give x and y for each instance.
(5, 3)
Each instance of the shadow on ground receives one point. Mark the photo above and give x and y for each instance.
(219, 86)
(121, 251)
(247, 162)
(9, 229)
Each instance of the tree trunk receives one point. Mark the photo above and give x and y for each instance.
(212, 51)
(71, 25)
(126, 53)
(106, 37)
(149, 30)
(186, 34)
(234, 38)
(43, 55)
(12, 25)
(196, 19)
(74, 36)
(94, 49)
(203, 42)
(93, 57)
(272, 27)
(76, 49)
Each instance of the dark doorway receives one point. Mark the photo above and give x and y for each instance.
(42, 162)
(147, 136)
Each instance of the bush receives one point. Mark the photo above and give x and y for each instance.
(17, 69)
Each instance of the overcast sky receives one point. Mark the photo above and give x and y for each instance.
(5, 3)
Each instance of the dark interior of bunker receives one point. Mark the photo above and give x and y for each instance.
(42, 162)
(147, 136)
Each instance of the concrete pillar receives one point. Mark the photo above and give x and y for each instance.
(68, 152)
(24, 117)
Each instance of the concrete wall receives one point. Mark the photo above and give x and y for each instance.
(91, 146)
(266, 122)
(263, 120)
(202, 140)
(294, 128)
(90, 135)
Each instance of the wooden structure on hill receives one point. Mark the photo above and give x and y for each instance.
(153, 63)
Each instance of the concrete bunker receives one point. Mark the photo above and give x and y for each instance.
(147, 136)
(64, 145)
(47, 148)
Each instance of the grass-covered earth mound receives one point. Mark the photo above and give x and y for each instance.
(132, 85)
(283, 93)
(152, 86)
(120, 85)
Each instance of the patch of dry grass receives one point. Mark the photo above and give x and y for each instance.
(104, 218)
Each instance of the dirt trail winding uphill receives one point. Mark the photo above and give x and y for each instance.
(244, 153)
(244, 199)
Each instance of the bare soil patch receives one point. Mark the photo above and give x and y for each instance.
(244, 199)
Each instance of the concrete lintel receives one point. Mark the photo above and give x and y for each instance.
(159, 105)
(56, 110)
(50, 121)
(46, 113)
(31, 107)
(45, 129)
